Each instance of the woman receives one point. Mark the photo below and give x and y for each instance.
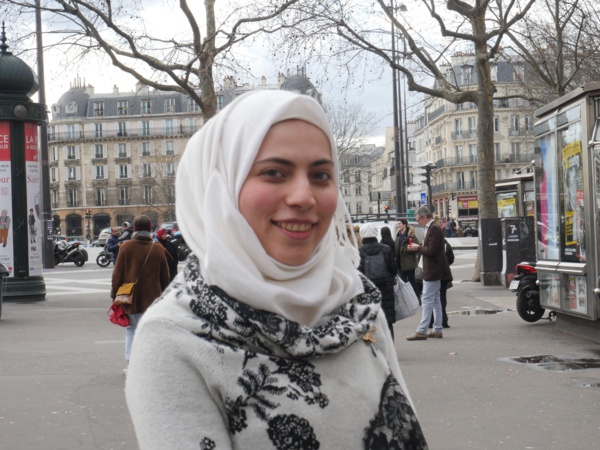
(142, 262)
(162, 235)
(256, 343)
(386, 238)
(378, 263)
(407, 261)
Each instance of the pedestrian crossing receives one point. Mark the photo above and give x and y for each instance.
(72, 286)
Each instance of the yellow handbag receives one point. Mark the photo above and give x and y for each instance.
(124, 294)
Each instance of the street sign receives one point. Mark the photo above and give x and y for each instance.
(423, 198)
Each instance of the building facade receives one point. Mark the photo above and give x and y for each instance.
(113, 156)
(446, 135)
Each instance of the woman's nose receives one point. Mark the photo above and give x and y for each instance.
(301, 193)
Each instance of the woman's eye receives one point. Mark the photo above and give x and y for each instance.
(322, 176)
(272, 173)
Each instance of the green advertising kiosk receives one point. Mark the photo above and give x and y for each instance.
(567, 187)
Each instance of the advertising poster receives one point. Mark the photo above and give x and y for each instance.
(573, 202)
(6, 224)
(34, 223)
(576, 293)
(507, 204)
(550, 289)
(548, 222)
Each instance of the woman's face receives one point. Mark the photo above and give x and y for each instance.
(290, 196)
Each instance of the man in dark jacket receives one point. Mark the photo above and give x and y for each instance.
(378, 263)
(112, 244)
(435, 268)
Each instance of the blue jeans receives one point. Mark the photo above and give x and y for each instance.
(130, 332)
(431, 302)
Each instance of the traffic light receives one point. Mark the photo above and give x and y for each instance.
(88, 214)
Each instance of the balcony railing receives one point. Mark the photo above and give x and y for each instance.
(184, 130)
(454, 187)
(437, 113)
(471, 160)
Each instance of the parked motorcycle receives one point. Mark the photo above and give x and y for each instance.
(69, 252)
(525, 284)
(104, 258)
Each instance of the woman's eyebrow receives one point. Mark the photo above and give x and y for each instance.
(287, 162)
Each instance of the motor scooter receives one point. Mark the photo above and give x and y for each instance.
(525, 284)
(69, 252)
(104, 258)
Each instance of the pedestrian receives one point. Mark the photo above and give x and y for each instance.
(378, 263)
(4, 227)
(127, 232)
(435, 268)
(112, 244)
(32, 227)
(406, 260)
(446, 283)
(256, 344)
(142, 262)
(170, 251)
(386, 238)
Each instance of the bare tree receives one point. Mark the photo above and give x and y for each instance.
(160, 182)
(182, 59)
(477, 26)
(561, 42)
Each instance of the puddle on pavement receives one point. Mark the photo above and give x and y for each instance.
(473, 311)
(558, 364)
(587, 384)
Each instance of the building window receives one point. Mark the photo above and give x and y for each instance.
(98, 109)
(70, 131)
(146, 149)
(519, 72)
(359, 208)
(122, 106)
(458, 127)
(459, 153)
(170, 169)
(100, 197)
(146, 107)
(123, 171)
(358, 190)
(72, 198)
(54, 153)
(71, 153)
(467, 74)
(170, 148)
(99, 172)
(514, 123)
(473, 152)
(516, 149)
(99, 151)
(123, 151)
(357, 176)
(54, 198)
(496, 151)
(54, 174)
(123, 195)
(148, 193)
(460, 180)
(346, 190)
(472, 125)
(192, 105)
(145, 128)
(99, 130)
(496, 124)
(169, 126)
(169, 105)
(146, 170)
(170, 193)
(72, 173)
(122, 129)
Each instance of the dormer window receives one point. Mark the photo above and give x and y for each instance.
(71, 108)
(467, 74)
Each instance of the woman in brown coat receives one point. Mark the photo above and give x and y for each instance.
(143, 262)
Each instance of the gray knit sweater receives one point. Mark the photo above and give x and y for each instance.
(209, 372)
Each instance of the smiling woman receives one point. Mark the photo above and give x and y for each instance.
(257, 341)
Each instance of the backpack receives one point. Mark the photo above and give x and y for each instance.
(375, 267)
(449, 253)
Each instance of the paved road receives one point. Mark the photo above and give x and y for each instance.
(61, 381)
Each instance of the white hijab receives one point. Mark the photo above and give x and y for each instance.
(211, 173)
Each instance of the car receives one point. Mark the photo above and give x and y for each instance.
(103, 237)
(171, 227)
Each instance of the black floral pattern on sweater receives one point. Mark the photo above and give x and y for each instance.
(288, 373)
(395, 426)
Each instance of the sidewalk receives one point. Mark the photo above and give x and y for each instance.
(463, 243)
(61, 381)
